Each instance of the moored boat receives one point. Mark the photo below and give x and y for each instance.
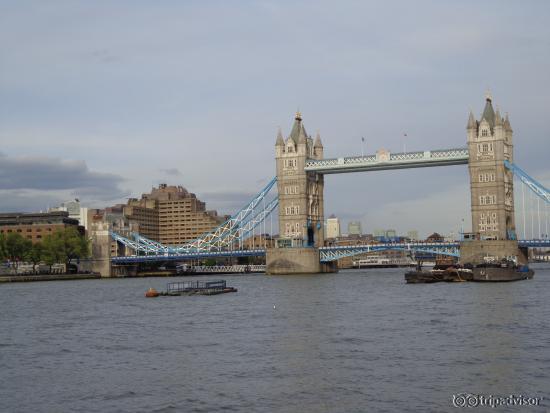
(450, 274)
(501, 271)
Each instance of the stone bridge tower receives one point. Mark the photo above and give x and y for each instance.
(301, 211)
(300, 193)
(492, 190)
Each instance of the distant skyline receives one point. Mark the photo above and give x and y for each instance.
(102, 100)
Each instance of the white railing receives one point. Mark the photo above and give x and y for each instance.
(436, 156)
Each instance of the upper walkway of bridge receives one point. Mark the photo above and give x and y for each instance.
(383, 160)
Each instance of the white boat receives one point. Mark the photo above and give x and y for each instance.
(382, 261)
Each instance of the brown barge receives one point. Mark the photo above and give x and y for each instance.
(503, 271)
(486, 272)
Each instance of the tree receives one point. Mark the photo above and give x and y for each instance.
(17, 247)
(74, 244)
(64, 246)
(3, 247)
(35, 255)
(52, 250)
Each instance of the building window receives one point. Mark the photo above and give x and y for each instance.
(290, 163)
(487, 199)
(487, 177)
(482, 219)
(291, 190)
(484, 132)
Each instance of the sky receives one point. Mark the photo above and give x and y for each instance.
(102, 100)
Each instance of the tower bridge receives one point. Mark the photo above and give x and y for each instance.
(300, 170)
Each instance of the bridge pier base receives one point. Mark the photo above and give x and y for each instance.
(101, 249)
(290, 261)
(124, 270)
(475, 251)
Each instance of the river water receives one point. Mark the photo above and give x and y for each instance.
(357, 341)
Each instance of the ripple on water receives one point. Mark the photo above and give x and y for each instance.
(350, 342)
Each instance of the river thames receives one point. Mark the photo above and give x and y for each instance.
(357, 341)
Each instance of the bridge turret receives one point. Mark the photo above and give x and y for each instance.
(507, 126)
(279, 143)
(318, 147)
(472, 124)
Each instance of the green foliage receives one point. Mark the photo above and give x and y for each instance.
(35, 253)
(64, 246)
(59, 247)
(3, 248)
(210, 262)
(17, 247)
(52, 250)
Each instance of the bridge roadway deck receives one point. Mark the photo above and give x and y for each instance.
(327, 253)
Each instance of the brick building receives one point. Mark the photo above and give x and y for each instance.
(35, 226)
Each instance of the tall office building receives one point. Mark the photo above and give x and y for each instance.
(413, 235)
(171, 215)
(354, 228)
(75, 211)
(333, 227)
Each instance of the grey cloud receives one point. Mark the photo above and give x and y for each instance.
(159, 98)
(100, 193)
(171, 171)
(44, 173)
(29, 200)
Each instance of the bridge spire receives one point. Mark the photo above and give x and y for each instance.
(298, 132)
(318, 143)
(488, 112)
(471, 121)
(498, 118)
(280, 141)
(507, 125)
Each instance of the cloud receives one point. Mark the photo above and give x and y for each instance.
(51, 173)
(136, 102)
(16, 200)
(171, 171)
(33, 182)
